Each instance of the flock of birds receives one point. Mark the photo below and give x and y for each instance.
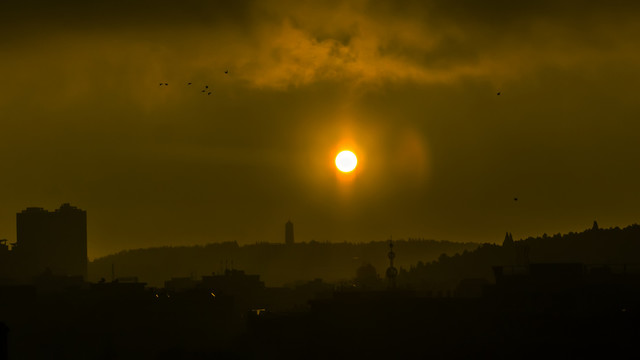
(208, 92)
(204, 90)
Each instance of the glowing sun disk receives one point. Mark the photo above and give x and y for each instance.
(346, 161)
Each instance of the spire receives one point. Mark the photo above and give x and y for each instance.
(508, 240)
(595, 225)
(392, 272)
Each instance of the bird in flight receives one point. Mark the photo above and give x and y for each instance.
(226, 71)
(498, 93)
(206, 86)
(515, 199)
(202, 90)
(209, 93)
(188, 83)
(161, 84)
(165, 84)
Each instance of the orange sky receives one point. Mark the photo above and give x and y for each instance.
(409, 86)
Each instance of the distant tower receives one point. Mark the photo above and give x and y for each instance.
(595, 225)
(288, 233)
(392, 272)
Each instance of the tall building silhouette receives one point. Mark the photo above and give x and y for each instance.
(54, 242)
(288, 233)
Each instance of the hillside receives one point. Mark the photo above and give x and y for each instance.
(614, 246)
(277, 264)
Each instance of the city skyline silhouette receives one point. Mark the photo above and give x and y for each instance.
(574, 293)
(314, 180)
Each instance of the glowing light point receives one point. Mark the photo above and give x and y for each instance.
(346, 161)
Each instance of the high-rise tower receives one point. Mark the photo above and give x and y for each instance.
(53, 241)
(288, 233)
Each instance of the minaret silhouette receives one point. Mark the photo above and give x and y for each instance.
(392, 272)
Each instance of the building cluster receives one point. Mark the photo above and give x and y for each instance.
(48, 243)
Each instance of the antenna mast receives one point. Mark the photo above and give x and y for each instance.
(392, 272)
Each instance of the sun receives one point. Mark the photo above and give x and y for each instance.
(346, 161)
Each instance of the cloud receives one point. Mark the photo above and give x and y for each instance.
(367, 43)
(288, 44)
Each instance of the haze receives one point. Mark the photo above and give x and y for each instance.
(411, 87)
